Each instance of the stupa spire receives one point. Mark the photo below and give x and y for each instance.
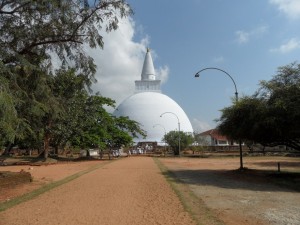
(148, 72)
(148, 80)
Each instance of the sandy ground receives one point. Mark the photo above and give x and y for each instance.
(240, 201)
(128, 191)
(43, 175)
(133, 191)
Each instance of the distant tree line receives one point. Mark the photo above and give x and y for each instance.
(42, 105)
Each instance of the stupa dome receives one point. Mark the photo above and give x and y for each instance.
(148, 104)
(146, 108)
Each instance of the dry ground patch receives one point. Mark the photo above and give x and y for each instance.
(258, 195)
(16, 180)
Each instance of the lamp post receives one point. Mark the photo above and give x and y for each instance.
(178, 128)
(155, 125)
(236, 99)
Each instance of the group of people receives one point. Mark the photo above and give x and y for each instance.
(140, 150)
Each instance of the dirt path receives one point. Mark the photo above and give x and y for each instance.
(238, 200)
(128, 191)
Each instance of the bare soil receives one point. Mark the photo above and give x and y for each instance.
(17, 182)
(257, 195)
(134, 191)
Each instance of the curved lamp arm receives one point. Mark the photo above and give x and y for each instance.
(178, 128)
(215, 68)
(236, 97)
(171, 113)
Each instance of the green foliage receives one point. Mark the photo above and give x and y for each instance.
(84, 122)
(271, 116)
(38, 104)
(202, 143)
(172, 138)
(74, 117)
(56, 26)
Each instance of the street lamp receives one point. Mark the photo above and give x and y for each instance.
(236, 99)
(178, 128)
(155, 125)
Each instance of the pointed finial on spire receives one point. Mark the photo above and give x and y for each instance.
(148, 72)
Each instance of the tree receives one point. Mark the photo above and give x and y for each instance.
(31, 34)
(73, 97)
(172, 138)
(120, 132)
(202, 143)
(270, 116)
(53, 110)
(31, 30)
(103, 130)
(91, 125)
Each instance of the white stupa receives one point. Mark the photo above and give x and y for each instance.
(147, 105)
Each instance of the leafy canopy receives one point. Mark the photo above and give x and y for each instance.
(42, 105)
(172, 138)
(271, 116)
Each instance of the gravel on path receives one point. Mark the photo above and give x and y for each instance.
(128, 191)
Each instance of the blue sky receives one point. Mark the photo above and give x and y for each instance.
(247, 39)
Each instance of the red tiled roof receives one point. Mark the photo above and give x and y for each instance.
(214, 133)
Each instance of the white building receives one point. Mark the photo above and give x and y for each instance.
(147, 105)
(214, 138)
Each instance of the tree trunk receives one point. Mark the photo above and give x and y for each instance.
(109, 156)
(46, 145)
(176, 151)
(7, 149)
(47, 137)
(56, 150)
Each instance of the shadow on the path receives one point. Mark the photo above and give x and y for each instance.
(255, 180)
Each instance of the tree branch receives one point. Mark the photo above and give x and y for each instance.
(28, 48)
(14, 10)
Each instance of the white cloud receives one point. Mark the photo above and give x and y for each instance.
(200, 126)
(289, 7)
(259, 31)
(287, 47)
(244, 36)
(120, 63)
(162, 74)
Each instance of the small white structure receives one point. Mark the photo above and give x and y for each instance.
(148, 103)
(89, 152)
